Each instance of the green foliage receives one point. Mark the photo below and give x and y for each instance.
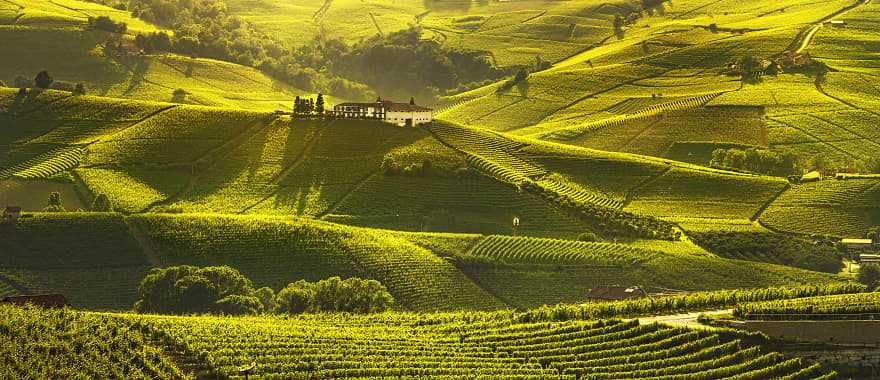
(66, 344)
(353, 295)
(107, 24)
(469, 345)
(762, 161)
(869, 275)
(771, 248)
(43, 80)
(54, 203)
(688, 302)
(847, 306)
(188, 289)
(101, 204)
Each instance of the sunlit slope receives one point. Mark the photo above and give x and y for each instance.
(55, 36)
(660, 90)
(181, 158)
(455, 345)
(513, 33)
(97, 260)
(842, 208)
(639, 184)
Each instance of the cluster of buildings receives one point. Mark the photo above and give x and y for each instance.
(869, 248)
(401, 114)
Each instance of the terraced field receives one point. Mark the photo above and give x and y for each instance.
(388, 345)
(843, 208)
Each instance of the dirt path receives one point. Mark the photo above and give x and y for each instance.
(684, 319)
(145, 243)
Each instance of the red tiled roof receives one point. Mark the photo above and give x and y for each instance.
(13, 209)
(406, 107)
(42, 300)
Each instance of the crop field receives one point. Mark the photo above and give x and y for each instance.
(843, 208)
(389, 345)
(844, 306)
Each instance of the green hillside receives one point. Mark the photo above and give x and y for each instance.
(97, 260)
(660, 88)
(56, 36)
(398, 345)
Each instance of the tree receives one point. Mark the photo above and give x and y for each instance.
(101, 204)
(412, 101)
(296, 105)
(319, 105)
(43, 80)
(80, 89)
(188, 289)
(869, 274)
(54, 203)
(295, 298)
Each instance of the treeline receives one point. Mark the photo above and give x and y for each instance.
(399, 65)
(772, 248)
(223, 290)
(756, 160)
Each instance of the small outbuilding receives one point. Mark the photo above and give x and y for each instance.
(869, 258)
(837, 23)
(616, 293)
(858, 243)
(49, 301)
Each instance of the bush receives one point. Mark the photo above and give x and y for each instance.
(188, 289)
(237, 304)
(589, 236)
(267, 298)
(101, 204)
(352, 295)
(869, 275)
(107, 24)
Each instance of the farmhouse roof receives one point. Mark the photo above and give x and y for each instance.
(42, 300)
(12, 209)
(406, 107)
(389, 105)
(616, 292)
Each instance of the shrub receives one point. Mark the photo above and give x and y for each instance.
(101, 204)
(54, 203)
(869, 275)
(589, 236)
(237, 304)
(267, 298)
(188, 289)
(106, 24)
(353, 295)
(296, 298)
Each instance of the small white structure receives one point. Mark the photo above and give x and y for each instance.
(868, 259)
(401, 114)
(837, 23)
(858, 243)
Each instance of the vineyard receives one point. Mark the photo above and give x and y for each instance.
(860, 306)
(456, 346)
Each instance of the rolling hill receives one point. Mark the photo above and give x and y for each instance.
(659, 89)
(56, 36)
(387, 345)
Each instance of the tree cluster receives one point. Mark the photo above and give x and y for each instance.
(353, 295)
(309, 106)
(398, 65)
(223, 290)
(774, 248)
(107, 24)
(756, 160)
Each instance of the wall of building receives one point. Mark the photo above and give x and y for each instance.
(399, 118)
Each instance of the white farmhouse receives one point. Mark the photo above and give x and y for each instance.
(401, 114)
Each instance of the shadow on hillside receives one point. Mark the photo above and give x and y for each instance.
(138, 72)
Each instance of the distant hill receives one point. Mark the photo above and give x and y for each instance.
(659, 88)
(55, 36)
